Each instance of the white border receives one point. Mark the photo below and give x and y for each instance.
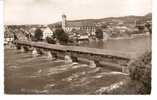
(1, 48)
(154, 49)
(107, 97)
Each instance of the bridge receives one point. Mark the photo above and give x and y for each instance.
(96, 57)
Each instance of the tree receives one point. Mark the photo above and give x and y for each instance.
(50, 40)
(61, 36)
(99, 33)
(15, 36)
(140, 28)
(38, 34)
(149, 27)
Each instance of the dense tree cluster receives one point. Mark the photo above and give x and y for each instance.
(61, 36)
(50, 40)
(140, 70)
(99, 33)
(149, 27)
(38, 35)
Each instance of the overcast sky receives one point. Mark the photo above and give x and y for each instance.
(49, 11)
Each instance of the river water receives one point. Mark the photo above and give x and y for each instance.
(138, 44)
(27, 75)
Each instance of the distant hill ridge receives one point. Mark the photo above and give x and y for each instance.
(130, 18)
(126, 19)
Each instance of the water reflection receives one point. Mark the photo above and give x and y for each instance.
(125, 45)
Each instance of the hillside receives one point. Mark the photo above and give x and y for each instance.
(115, 20)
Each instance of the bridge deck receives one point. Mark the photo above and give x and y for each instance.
(96, 51)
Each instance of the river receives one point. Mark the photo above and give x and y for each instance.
(27, 75)
(137, 44)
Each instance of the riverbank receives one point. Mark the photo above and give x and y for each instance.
(131, 37)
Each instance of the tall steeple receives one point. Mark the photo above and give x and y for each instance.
(63, 21)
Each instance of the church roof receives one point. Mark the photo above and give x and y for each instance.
(47, 30)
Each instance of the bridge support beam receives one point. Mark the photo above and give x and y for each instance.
(35, 52)
(67, 59)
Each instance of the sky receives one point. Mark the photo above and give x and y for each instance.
(50, 11)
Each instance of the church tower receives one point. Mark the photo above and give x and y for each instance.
(63, 21)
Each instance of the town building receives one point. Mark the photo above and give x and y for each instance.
(86, 26)
(47, 32)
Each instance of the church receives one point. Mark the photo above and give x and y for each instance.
(85, 26)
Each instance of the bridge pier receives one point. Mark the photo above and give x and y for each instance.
(23, 49)
(92, 64)
(98, 63)
(125, 69)
(68, 59)
(16, 46)
(74, 59)
(35, 52)
(50, 56)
